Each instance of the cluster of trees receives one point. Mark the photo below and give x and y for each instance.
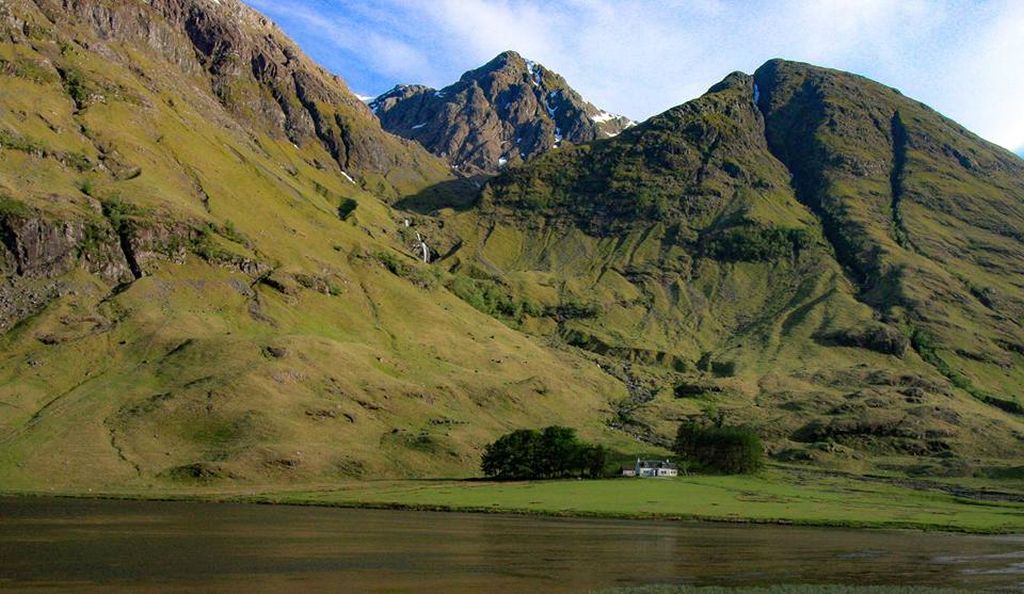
(554, 452)
(715, 447)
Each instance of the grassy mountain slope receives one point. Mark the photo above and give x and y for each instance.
(692, 246)
(195, 290)
(206, 281)
(928, 218)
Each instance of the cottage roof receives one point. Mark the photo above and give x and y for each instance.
(656, 464)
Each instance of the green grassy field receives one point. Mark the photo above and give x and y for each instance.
(773, 496)
(783, 589)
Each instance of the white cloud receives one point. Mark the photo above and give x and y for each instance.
(638, 57)
(985, 83)
(381, 51)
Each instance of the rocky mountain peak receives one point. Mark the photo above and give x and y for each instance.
(501, 113)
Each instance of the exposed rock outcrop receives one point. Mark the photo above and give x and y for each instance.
(37, 250)
(504, 112)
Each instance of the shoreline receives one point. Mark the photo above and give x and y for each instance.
(285, 499)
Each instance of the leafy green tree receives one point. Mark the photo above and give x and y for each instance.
(554, 452)
(729, 450)
(592, 461)
(558, 453)
(512, 456)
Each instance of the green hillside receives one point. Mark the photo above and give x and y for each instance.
(193, 296)
(210, 276)
(833, 263)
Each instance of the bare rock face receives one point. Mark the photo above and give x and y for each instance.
(35, 251)
(504, 112)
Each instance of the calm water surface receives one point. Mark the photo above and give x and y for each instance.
(86, 545)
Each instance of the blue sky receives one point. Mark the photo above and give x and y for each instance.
(640, 57)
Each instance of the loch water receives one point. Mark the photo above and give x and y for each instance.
(148, 546)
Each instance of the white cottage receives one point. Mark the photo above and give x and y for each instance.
(651, 469)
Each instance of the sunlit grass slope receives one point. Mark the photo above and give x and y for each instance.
(269, 336)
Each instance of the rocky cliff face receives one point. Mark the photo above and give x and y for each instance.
(498, 115)
(119, 244)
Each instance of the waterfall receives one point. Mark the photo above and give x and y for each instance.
(423, 248)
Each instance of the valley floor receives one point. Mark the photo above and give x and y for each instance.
(774, 496)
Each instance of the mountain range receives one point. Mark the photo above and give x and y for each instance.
(220, 266)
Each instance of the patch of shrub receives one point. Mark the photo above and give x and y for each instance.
(572, 309)
(77, 160)
(203, 244)
(10, 139)
(76, 86)
(346, 208)
(491, 298)
(555, 452)
(85, 186)
(393, 264)
(717, 448)
(755, 243)
(11, 207)
(116, 210)
(229, 231)
(93, 239)
(876, 337)
(28, 70)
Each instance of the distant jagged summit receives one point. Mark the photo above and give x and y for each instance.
(506, 111)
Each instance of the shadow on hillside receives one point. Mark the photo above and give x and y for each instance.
(458, 194)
